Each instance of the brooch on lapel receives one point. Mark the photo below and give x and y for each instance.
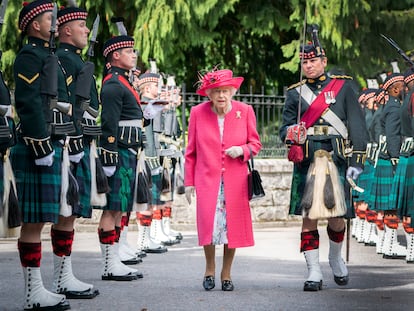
(238, 114)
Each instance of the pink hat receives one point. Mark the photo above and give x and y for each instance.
(217, 78)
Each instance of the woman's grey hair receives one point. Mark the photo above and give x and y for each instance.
(233, 91)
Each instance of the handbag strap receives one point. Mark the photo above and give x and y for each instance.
(251, 166)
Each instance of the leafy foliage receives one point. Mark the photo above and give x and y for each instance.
(258, 39)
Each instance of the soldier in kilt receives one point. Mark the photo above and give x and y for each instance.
(363, 224)
(324, 149)
(73, 37)
(37, 156)
(402, 191)
(120, 144)
(9, 213)
(389, 152)
(148, 86)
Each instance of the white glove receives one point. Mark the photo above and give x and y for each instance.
(75, 158)
(46, 161)
(234, 152)
(189, 192)
(153, 108)
(353, 172)
(109, 170)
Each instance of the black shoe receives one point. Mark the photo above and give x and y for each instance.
(341, 280)
(158, 250)
(141, 254)
(312, 286)
(227, 286)
(127, 277)
(138, 274)
(86, 294)
(208, 282)
(132, 261)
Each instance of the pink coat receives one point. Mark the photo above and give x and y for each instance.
(205, 162)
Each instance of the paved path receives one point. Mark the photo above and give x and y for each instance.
(268, 276)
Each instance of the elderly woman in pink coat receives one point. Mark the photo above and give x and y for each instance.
(221, 134)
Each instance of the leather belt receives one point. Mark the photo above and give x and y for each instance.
(322, 130)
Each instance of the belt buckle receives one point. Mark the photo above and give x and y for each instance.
(321, 130)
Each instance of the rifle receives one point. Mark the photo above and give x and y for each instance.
(399, 50)
(85, 76)
(49, 78)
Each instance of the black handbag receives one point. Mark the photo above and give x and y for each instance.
(254, 181)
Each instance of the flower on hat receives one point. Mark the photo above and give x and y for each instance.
(217, 78)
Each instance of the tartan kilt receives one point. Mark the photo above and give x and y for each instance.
(82, 172)
(402, 191)
(365, 182)
(298, 187)
(381, 186)
(122, 183)
(156, 189)
(38, 187)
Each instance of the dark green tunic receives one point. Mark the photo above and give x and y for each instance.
(119, 144)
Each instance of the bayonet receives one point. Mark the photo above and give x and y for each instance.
(3, 7)
(119, 21)
(94, 34)
(52, 41)
(399, 50)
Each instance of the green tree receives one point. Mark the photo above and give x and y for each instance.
(257, 39)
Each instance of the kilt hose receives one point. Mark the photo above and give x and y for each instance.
(381, 186)
(38, 187)
(82, 173)
(122, 183)
(299, 182)
(402, 190)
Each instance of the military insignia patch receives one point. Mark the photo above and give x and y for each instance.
(29, 81)
(111, 139)
(69, 80)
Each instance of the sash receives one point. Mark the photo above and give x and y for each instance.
(125, 82)
(319, 107)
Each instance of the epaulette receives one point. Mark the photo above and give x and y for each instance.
(341, 77)
(296, 84)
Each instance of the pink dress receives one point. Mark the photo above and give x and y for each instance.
(206, 164)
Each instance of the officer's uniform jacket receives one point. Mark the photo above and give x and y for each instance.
(121, 117)
(37, 125)
(346, 107)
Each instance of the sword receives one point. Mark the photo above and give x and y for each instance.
(92, 39)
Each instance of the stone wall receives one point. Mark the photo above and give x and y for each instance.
(276, 177)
